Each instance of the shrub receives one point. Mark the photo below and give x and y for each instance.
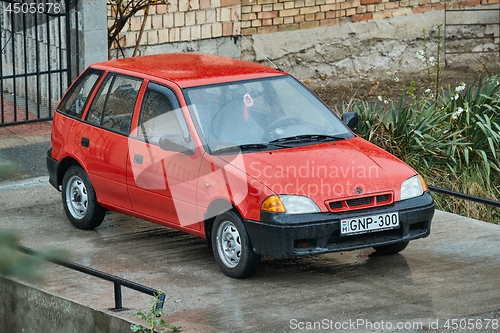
(452, 139)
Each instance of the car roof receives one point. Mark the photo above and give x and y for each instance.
(191, 69)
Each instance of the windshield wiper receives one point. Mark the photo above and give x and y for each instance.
(307, 138)
(237, 148)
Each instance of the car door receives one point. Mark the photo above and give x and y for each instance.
(161, 183)
(104, 138)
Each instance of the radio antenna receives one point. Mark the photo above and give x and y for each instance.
(261, 53)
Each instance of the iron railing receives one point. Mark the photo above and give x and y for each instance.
(117, 281)
(465, 196)
(38, 53)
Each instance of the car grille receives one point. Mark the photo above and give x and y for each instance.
(347, 204)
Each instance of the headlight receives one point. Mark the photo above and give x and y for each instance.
(291, 204)
(413, 187)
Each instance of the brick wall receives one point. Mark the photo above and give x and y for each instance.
(183, 20)
(193, 20)
(264, 16)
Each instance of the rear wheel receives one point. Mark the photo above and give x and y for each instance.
(232, 248)
(79, 200)
(392, 248)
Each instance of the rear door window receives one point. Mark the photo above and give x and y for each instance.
(114, 103)
(74, 102)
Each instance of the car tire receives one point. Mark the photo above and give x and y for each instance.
(232, 248)
(392, 248)
(80, 201)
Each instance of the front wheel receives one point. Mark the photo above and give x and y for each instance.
(232, 248)
(80, 201)
(392, 248)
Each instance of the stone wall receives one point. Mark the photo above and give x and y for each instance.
(380, 48)
(27, 309)
(326, 37)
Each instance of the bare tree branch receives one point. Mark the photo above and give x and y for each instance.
(122, 11)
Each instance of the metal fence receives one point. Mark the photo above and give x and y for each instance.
(38, 49)
(117, 281)
(464, 196)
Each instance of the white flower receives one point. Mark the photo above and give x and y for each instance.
(396, 79)
(380, 98)
(457, 113)
(455, 96)
(460, 88)
(428, 91)
(432, 60)
(421, 55)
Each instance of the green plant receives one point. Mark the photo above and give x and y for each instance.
(152, 319)
(475, 112)
(433, 65)
(450, 135)
(12, 261)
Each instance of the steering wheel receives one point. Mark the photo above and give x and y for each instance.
(273, 130)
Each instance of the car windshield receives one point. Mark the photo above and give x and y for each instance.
(261, 114)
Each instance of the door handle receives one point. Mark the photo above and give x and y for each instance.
(85, 142)
(138, 159)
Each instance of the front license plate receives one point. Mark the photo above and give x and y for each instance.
(364, 224)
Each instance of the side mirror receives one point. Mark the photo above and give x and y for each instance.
(176, 143)
(351, 119)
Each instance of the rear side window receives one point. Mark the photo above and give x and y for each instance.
(74, 102)
(114, 103)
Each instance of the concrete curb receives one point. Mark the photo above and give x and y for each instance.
(29, 309)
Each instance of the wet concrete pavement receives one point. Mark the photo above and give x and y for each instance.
(23, 149)
(27, 162)
(452, 274)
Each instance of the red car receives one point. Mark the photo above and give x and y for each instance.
(238, 153)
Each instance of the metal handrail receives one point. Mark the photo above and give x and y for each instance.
(465, 196)
(117, 281)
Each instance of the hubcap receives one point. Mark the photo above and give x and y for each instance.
(229, 244)
(76, 197)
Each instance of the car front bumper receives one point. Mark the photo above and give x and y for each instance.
(286, 236)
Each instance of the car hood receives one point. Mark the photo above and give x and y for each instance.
(328, 171)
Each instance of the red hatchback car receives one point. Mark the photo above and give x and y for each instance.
(238, 153)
